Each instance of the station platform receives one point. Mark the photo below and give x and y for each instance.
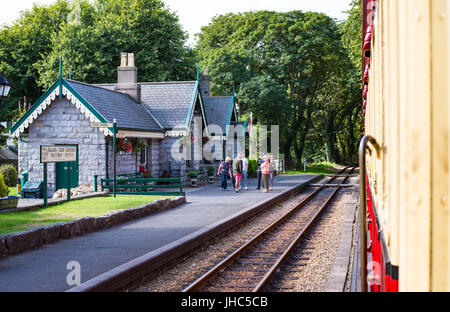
(45, 269)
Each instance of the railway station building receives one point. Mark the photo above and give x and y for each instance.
(153, 119)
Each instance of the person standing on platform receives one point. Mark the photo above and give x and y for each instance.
(259, 162)
(224, 171)
(265, 173)
(237, 172)
(244, 170)
(273, 171)
(233, 179)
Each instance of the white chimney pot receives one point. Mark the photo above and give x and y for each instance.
(130, 59)
(123, 59)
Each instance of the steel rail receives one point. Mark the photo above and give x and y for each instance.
(212, 273)
(363, 146)
(288, 251)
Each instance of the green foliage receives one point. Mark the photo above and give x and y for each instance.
(10, 174)
(351, 33)
(316, 168)
(3, 136)
(291, 69)
(139, 144)
(13, 191)
(92, 50)
(89, 35)
(22, 45)
(252, 168)
(192, 174)
(3, 188)
(210, 170)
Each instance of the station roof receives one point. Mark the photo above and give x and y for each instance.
(219, 110)
(170, 102)
(117, 105)
(7, 154)
(164, 106)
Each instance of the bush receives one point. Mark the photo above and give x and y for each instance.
(252, 168)
(10, 174)
(192, 174)
(210, 170)
(3, 188)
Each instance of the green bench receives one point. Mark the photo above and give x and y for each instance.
(144, 186)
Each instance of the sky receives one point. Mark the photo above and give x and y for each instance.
(194, 14)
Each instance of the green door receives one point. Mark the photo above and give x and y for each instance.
(62, 174)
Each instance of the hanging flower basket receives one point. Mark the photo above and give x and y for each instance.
(139, 144)
(123, 145)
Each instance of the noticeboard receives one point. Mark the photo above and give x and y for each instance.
(58, 153)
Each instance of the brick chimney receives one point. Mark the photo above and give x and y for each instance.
(127, 77)
(205, 83)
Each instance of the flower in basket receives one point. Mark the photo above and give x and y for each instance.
(123, 145)
(139, 144)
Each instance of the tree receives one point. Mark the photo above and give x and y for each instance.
(91, 50)
(287, 67)
(352, 33)
(89, 35)
(23, 44)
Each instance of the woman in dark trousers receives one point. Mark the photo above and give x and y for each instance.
(265, 172)
(273, 171)
(224, 171)
(259, 162)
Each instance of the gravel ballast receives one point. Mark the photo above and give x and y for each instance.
(311, 277)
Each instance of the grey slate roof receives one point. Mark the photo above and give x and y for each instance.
(7, 154)
(169, 102)
(217, 110)
(112, 104)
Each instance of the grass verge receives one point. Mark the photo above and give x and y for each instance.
(316, 168)
(11, 222)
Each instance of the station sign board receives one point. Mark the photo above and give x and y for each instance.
(102, 125)
(58, 153)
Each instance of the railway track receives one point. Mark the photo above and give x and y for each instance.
(252, 266)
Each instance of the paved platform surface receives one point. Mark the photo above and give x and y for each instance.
(44, 269)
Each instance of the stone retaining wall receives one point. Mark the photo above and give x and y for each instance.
(12, 244)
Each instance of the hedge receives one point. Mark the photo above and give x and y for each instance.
(10, 174)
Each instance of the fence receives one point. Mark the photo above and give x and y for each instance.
(144, 186)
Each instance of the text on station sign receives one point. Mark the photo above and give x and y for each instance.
(58, 153)
(102, 125)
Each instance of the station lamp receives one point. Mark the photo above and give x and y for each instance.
(5, 86)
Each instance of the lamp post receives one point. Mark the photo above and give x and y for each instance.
(5, 86)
